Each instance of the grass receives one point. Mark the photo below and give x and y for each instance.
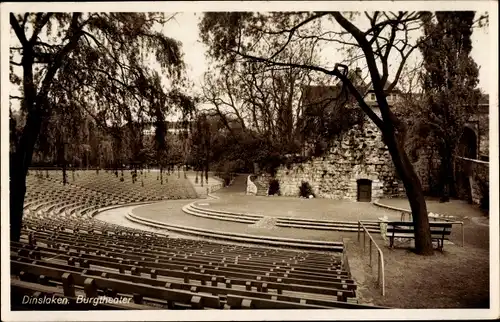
(458, 277)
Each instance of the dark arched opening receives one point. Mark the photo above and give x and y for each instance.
(467, 146)
(364, 190)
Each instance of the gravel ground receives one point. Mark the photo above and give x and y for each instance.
(201, 191)
(455, 278)
(458, 208)
(234, 199)
(170, 212)
(117, 216)
(476, 228)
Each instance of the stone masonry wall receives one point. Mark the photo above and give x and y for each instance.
(360, 154)
(478, 174)
(357, 154)
(483, 133)
(427, 168)
(480, 181)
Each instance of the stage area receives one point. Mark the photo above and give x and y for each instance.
(170, 212)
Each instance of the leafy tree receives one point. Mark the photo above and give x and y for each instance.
(374, 39)
(92, 62)
(449, 81)
(265, 101)
(232, 36)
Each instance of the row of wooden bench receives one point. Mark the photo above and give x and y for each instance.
(104, 182)
(208, 294)
(66, 253)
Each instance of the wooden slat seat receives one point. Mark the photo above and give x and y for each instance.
(205, 274)
(339, 281)
(440, 231)
(94, 283)
(20, 289)
(240, 302)
(18, 266)
(198, 260)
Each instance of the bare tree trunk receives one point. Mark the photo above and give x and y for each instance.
(17, 192)
(65, 180)
(206, 172)
(19, 164)
(414, 192)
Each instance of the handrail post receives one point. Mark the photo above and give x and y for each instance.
(378, 270)
(383, 274)
(463, 236)
(380, 257)
(370, 252)
(364, 240)
(359, 229)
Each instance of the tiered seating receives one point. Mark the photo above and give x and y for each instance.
(179, 273)
(66, 253)
(146, 188)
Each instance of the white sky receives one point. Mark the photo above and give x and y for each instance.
(185, 29)
(194, 58)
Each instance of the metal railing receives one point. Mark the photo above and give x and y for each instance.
(380, 264)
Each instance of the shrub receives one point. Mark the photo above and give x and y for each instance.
(227, 179)
(484, 203)
(305, 190)
(274, 187)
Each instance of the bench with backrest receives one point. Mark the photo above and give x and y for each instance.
(277, 276)
(20, 289)
(104, 257)
(96, 285)
(440, 231)
(283, 302)
(26, 266)
(283, 269)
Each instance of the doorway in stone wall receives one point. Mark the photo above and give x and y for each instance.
(364, 190)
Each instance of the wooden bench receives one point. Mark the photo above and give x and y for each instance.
(20, 289)
(341, 287)
(32, 271)
(440, 231)
(277, 302)
(93, 285)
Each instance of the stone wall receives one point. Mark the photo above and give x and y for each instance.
(480, 181)
(478, 173)
(483, 133)
(426, 166)
(357, 154)
(360, 154)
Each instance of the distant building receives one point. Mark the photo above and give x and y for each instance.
(173, 127)
(357, 165)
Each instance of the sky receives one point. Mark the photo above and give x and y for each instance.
(185, 29)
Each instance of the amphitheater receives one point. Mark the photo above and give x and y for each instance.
(180, 245)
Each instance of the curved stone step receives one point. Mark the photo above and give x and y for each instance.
(286, 222)
(194, 206)
(189, 210)
(332, 228)
(245, 238)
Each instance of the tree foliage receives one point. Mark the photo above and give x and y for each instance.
(89, 65)
(449, 81)
(385, 37)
